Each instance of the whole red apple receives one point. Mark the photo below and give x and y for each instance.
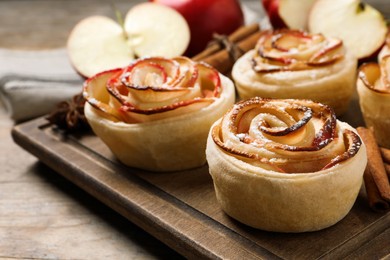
(206, 17)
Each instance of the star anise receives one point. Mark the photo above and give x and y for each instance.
(69, 115)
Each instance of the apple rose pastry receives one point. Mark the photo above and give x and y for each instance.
(285, 165)
(295, 64)
(373, 87)
(385, 50)
(156, 113)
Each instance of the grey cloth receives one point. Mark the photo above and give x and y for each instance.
(33, 82)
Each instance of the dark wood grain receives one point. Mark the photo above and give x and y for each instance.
(45, 216)
(42, 214)
(180, 208)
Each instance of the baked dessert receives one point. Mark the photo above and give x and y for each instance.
(295, 64)
(156, 113)
(373, 87)
(385, 50)
(285, 165)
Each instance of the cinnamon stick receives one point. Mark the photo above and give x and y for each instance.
(221, 59)
(386, 159)
(385, 154)
(375, 165)
(387, 167)
(237, 36)
(375, 201)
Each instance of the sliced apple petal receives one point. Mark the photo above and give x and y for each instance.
(96, 94)
(369, 73)
(385, 49)
(156, 30)
(97, 44)
(361, 27)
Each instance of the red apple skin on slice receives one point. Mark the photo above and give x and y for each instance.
(271, 7)
(361, 27)
(290, 14)
(96, 44)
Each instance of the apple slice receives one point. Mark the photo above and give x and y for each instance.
(96, 44)
(295, 13)
(385, 49)
(156, 30)
(290, 14)
(272, 9)
(361, 27)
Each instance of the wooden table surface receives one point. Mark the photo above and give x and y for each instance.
(42, 215)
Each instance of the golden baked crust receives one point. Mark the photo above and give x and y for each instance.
(373, 87)
(255, 181)
(166, 134)
(297, 73)
(385, 49)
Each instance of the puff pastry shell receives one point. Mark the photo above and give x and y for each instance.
(285, 165)
(294, 64)
(156, 113)
(373, 87)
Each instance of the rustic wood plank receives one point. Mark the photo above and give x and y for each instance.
(44, 216)
(184, 213)
(193, 187)
(42, 24)
(168, 219)
(377, 248)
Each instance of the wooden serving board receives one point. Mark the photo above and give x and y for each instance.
(180, 208)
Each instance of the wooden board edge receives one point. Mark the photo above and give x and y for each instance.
(30, 137)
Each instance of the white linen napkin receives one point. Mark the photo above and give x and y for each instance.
(33, 82)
